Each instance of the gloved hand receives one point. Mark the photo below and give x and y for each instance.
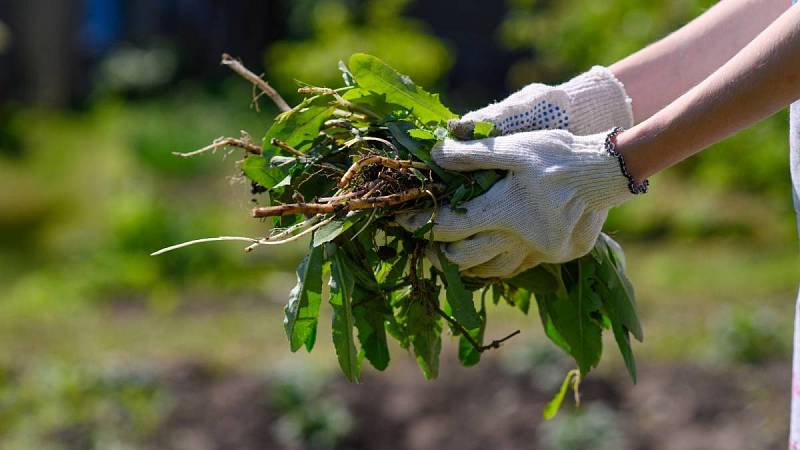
(592, 102)
(549, 208)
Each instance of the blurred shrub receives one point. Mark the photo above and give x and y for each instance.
(592, 427)
(324, 32)
(543, 363)
(309, 418)
(744, 336)
(63, 407)
(96, 192)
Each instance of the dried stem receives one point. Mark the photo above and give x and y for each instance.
(223, 142)
(239, 68)
(338, 198)
(382, 160)
(463, 331)
(370, 138)
(339, 99)
(327, 208)
(288, 148)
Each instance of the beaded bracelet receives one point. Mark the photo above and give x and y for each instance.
(611, 147)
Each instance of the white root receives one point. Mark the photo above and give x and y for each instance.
(200, 241)
(258, 242)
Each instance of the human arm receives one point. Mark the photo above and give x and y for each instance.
(661, 72)
(559, 187)
(761, 79)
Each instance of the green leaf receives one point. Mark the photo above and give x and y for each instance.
(370, 311)
(377, 76)
(482, 130)
(300, 320)
(486, 178)
(427, 342)
(522, 299)
(613, 267)
(420, 150)
(458, 297)
(372, 101)
(537, 280)
(542, 301)
(297, 127)
(333, 229)
(257, 169)
(421, 135)
(467, 353)
(617, 298)
(341, 285)
(552, 407)
(571, 316)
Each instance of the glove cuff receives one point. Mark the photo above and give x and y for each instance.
(599, 182)
(598, 101)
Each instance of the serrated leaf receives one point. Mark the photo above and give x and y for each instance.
(374, 102)
(458, 297)
(377, 76)
(300, 313)
(343, 322)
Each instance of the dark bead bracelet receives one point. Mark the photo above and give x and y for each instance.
(611, 147)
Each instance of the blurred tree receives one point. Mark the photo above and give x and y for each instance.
(323, 32)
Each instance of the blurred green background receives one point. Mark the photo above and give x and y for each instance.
(103, 346)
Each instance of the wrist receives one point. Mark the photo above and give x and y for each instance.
(629, 145)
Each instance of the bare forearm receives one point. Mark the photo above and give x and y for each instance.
(660, 73)
(761, 79)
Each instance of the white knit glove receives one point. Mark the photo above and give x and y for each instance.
(589, 103)
(549, 208)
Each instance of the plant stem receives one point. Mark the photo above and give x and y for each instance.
(238, 67)
(288, 148)
(480, 348)
(327, 208)
(223, 142)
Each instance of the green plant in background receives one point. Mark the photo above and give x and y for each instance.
(339, 166)
(594, 427)
(332, 30)
(64, 407)
(308, 416)
(748, 337)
